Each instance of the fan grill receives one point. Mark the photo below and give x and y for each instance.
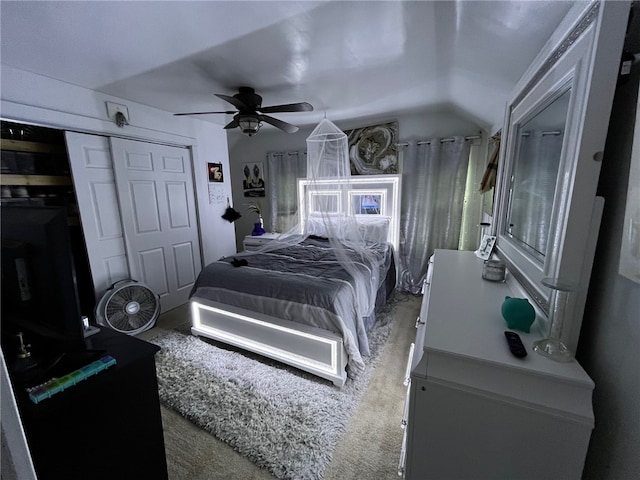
(129, 309)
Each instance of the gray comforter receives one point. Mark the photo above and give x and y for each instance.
(303, 283)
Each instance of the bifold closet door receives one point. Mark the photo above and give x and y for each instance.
(157, 205)
(97, 195)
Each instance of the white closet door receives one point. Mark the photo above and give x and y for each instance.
(94, 181)
(157, 204)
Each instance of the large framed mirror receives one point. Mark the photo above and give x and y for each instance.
(548, 214)
(536, 160)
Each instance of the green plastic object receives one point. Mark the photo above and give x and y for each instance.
(518, 313)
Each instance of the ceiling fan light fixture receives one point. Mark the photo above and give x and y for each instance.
(249, 125)
(251, 114)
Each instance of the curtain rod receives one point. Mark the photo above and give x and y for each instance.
(554, 132)
(279, 154)
(444, 140)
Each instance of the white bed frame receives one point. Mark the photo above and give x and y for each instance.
(305, 347)
(308, 348)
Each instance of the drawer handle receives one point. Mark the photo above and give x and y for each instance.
(405, 410)
(407, 372)
(403, 456)
(419, 322)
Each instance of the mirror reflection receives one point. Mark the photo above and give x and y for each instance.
(533, 179)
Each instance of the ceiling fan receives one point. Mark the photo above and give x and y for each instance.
(250, 113)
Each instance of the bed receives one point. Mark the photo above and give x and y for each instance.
(296, 303)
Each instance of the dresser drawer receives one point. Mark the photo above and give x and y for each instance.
(403, 455)
(421, 321)
(427, 279)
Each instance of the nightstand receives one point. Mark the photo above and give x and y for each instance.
(254, 243)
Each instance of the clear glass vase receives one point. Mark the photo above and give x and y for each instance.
(553, 347)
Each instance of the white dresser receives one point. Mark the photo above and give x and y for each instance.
(474, 411)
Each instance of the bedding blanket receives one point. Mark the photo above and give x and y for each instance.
(303, 283)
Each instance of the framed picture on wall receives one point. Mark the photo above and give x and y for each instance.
(486, 246)
(253, 182)
(373, 150)
(215, 172)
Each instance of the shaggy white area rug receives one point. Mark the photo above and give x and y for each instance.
(282, 419)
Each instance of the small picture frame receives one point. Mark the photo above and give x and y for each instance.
(215, 172)
(253, 183)
(486, 246)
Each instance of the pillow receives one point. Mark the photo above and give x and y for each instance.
(373, 229)
(315, 226)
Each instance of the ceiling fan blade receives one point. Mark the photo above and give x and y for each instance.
(204, 113)
(289, 107)
(239, 104)
(232, 124)
(287, 127)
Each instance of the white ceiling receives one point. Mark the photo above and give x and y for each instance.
(348, 59)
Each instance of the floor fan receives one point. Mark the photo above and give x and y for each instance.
(128, 307)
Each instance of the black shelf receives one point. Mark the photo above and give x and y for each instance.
(108, 426)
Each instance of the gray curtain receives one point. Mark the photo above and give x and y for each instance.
(284, 170)
(433, 186)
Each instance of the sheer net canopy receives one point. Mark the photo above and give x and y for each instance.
(329, 211)
(326, 210)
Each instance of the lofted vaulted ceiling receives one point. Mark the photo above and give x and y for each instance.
(348, 59)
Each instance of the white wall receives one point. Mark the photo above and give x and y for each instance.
(419, 125)
(610, 335)
(30, 98)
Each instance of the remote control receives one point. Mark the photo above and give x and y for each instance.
(515, 344)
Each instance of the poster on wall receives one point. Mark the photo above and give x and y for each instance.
(373, 150)
(253, 182)
(215, 172)
(216, 193)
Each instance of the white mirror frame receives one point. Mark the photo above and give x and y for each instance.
(583, 55)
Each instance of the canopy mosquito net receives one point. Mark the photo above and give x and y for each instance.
(326, 211)
(329, 211)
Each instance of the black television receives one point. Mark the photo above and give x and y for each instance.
(39, 291)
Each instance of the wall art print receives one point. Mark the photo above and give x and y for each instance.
(373, 150)
(215, 172)
(253, 183)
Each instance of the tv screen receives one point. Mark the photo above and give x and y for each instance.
(39, 291)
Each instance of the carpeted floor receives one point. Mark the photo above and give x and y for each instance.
(369, 447)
